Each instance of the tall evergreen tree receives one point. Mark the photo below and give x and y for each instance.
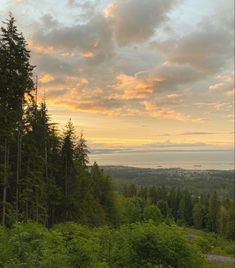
(16, 84)
(81, 152)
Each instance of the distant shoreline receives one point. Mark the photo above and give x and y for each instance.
(166, 169)
(188, 160)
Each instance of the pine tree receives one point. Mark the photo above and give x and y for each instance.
(213, 211)
(69, 182)
(103, 192)
(163, 206)
(16, 84)
(198, 215)
(41, 156)
(81, 152)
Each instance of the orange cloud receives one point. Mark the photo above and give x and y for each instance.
(76, 81)
(39, 48)
(90, 106)
(46, 78)
(109, 10)
(163, 112)
(230, 92)
(132, 87)
(217, 87)
(88, 54)
(173, 96)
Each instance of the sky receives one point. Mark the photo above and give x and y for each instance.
(134, 74)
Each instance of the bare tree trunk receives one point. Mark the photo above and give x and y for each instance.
(5, 184)
(66, 179)
(27, 210)
(37, 212)
(18, 170)
(109, 249)
(46, 162)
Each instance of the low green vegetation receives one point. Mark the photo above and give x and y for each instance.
(72, 245)
(135, 245)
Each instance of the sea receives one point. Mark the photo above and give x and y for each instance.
(201, 160)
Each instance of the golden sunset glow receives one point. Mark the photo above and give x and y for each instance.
(46, 78)
(117, 133)
(123, 77)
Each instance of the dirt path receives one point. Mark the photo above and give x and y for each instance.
(220, 259)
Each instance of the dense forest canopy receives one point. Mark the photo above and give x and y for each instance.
(46, 178)
(196, 181)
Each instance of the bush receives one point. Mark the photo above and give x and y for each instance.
(70, 245)
(153, 213)
(147, 245)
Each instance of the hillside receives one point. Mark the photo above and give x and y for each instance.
(198, 181)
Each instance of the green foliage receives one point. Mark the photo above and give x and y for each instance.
(5, 249)
(163, 206)
(152, 212)
(72, 245)
(26, 242)
(176, 205)
(133, 210)
(146, 245)
(211, 243)
(81, 244)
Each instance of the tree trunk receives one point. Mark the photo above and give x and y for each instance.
(5, 184)
(46, 162)
(18, 170)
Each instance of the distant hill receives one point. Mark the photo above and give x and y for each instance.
(198, 181)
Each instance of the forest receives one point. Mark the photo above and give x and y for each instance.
(196, 181)
(60, 210)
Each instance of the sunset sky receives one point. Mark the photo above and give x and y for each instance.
(135, 74)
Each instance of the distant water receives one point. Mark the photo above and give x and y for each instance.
(218, 159)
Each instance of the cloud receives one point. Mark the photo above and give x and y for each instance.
(147, 84)
(164, 112)
(230, 93)
(173, 96)
(36, 48)
(224, 83)
(196, 133)
(190, 133)
(166, 146)
(170, 144)
(214, 106)
(148, 93)
(49, 22)
(53, 65)
(207, 49)
(99, 58)
(132, 87)
(135, 21)
(91, 106)
(93, 38)
(46, 78)
(173, 76)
